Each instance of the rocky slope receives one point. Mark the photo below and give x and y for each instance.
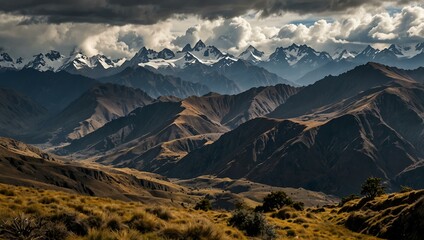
(377, 132)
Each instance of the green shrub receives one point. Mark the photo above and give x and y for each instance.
(275, 201)
(299, 206)
(253, 223)
(372, 187)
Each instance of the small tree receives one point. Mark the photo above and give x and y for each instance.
(275, 201)
(204, 205)
(372, 188)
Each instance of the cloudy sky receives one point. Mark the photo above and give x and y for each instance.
(119, 28)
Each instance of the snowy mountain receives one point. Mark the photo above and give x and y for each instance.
(51, 61)
(143, 56)
(368, 54)
(95, 67)
(344, 54)
(206, 54)
(251, 54)
(406, 51)
(294, 62)
(6, 61)
(200, 53)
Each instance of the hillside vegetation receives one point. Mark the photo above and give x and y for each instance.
(60, 215)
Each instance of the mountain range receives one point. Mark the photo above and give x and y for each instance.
(369, 123)
(222, 72)
(200, 111)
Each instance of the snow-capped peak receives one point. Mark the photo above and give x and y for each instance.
(102, 60)
(369, 52)
(404, 51)
(344, 55)
(5, 57)
(251, 54)
(144, 55)
(53, 55)
(51, 61)
(294, 53)
(279, 55)
(79, 61)
(6, 61)
(166, 54)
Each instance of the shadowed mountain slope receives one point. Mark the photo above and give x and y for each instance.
(54, 91)
(168, 131)
(155, 84)
(18, 113)
(92, 110)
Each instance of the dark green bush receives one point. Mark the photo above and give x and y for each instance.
(372, 187)
(275, 201)
(298, 206)
(253, 223)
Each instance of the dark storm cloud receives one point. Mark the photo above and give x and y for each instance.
(119, 12)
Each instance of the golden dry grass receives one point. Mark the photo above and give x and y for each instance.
(113, 219)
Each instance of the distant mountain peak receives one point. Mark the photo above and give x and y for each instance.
(251, 53)
(187, 48)
(369, 52)
(166, 54)
(199, 46)
(53, 55)
(5, 57)
(344, 54)
(143, 55)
